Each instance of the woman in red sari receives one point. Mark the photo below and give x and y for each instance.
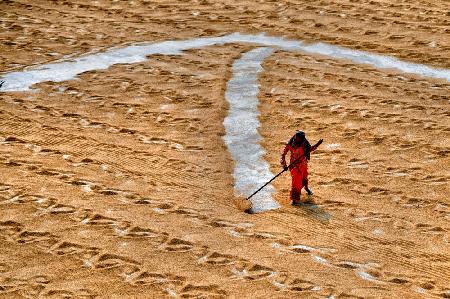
(300, 149)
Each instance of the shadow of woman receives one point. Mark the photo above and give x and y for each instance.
(314, 211)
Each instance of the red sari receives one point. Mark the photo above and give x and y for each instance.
(299, 171)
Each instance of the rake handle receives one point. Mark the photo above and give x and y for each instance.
(295, 161)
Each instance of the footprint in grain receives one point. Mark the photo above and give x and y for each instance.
(216, 258)
(42, 240)
(355, 163)
(283, 281)
(126, 230)
(9, 285)
(202, 291)
(366, 271)
(301, 285)
(9, 228)
(60, 209)
(177, 245)
(109, 261)
(151, 278)
(76, 294)
(100, 220)
(69, 248)
(58, 293)
(4, 268)
(30, 291)
(250, 271)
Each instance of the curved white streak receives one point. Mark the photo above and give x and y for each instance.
(68, 69)
(241, 127)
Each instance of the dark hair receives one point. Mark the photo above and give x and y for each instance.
(306, 146)
(300, 134)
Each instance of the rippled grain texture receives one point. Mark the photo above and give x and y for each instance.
(119, 183)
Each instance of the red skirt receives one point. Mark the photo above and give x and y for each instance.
(299, 175)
